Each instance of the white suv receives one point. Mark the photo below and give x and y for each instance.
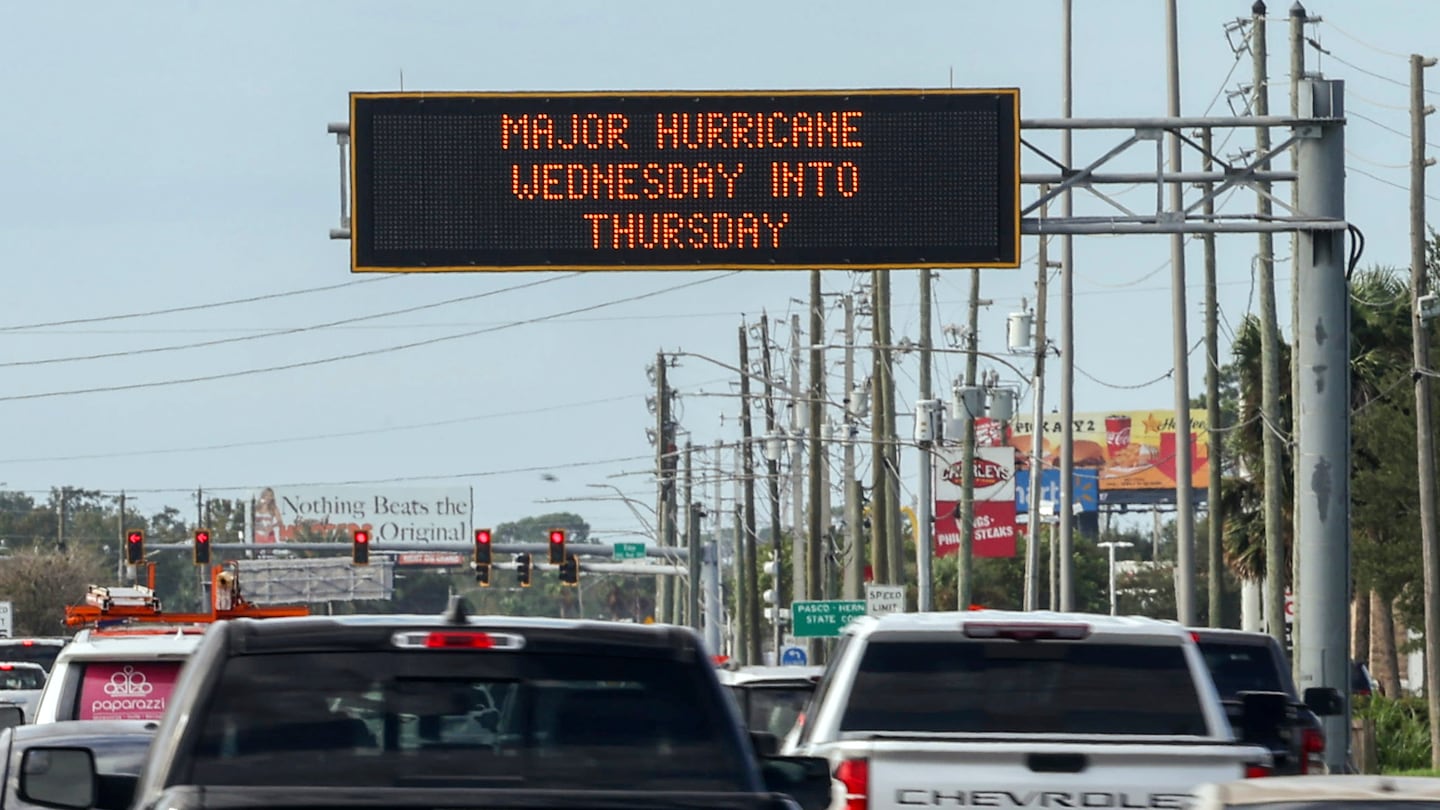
(117, 674)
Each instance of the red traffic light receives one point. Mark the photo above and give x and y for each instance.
(557, 546)
(135, 547)
(360, 549)
(362, 536)
(202, 547)
(482, 547)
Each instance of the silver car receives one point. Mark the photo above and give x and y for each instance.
(20, 684)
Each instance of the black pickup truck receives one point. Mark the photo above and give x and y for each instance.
(1240, 661)
(457, 711)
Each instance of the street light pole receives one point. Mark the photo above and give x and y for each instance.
(1111, 545)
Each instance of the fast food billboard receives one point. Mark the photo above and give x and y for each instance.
(994, 527)
(1131, 452)
(394, 516)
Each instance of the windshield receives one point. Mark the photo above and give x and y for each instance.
(21, 678)
(772, 708)
(497, 720)
(1017, 687)
(1237, 668)
(42, 654)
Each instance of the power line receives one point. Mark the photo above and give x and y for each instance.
(1388, 128)
(277, 333)
(360, 327)
(366, 353)
(196, 307)
(1388, 182)
(1376, 48)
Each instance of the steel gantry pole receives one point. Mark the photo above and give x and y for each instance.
(1322, 338)
(1064, 551)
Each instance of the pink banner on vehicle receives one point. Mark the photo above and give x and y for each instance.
(135, 690)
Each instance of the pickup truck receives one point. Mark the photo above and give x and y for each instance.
(456, 711)
(1240, 662)
(1000, 709)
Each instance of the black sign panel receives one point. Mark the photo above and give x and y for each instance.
(667, 180)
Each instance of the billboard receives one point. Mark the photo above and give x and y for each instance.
(1085, 490)
(1131, 452)
(394, 516)
(994, 530)
(858, 179)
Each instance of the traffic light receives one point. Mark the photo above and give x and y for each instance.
(202, 547)
(135, 547)
(360, 549)
(570, 570)
(557, 546)
(482, 547)
(522, 569)
(482, 575)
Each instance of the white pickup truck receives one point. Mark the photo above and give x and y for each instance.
(996, 709)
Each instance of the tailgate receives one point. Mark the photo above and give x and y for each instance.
(1039, 774)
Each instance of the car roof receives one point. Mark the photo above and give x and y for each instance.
(1334, 787)
(76, 730)
(168, 643)
(1099, 624)
(1232, 636)
(770, 676)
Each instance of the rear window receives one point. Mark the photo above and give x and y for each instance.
(1023, 687)
(21, 678)
(125, 690)
(1237, 668)
(496, 719)
(42, 654)
(772, 708)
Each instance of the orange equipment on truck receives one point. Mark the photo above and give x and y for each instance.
(138, 603)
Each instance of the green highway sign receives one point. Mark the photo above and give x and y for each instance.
(819, 619)
(629, 551)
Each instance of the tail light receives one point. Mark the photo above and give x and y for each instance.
(1312, 749)
(854, 774)
(1254, 771)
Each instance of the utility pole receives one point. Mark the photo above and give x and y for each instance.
(120, 543)
(1214, 527)
(693, 513)
(965, 567)
(60, 524)
(1425, 439)
(854, 538)
(1063, 548)
(1322, 642)
(894, 539)
(1184, 501)
(1269, 351)
(772, 465)
(665, 467)
(879, 439)
(751, 591)
(715, 603)
(1037, 427)
(925, 513)
(799, 415)
(819, 518)
(740, 619)
(1298, 19)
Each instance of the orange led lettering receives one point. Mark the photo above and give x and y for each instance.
(775, 224)
(847, 179)
(602, 176)
(542, 128)
(670, 130)
(514, 128)
(521, 189)
(698, 234)
(552, 176)
(595, 220)
(730, 177)
(799, 125)
(827, 129)
(847, 129)
(670, 231)
(770, 139)
(677, 181)
(741, 124)
(624, 182)
(615, 126)
(576, 190)
(747, 226)
(628, 230)
(722, 230)
(715, 127)
(703, 176)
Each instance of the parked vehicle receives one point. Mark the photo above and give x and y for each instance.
(1330, 792)
(114, 752)
(458, 711)
(1023, 709)
(771, 698)
(1241, 661)
(20, 685)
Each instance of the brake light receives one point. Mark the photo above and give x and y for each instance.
(457, 640)
(1253, 771)
(7, 667)
(27, 643)
(1027, 631)
(854, 774)
(1312, 747)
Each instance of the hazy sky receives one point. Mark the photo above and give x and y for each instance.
(172, 155)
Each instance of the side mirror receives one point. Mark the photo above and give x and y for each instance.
(11, 716)
(59, 777)
(804, 779)
(1263, 714)
(1324, 700)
